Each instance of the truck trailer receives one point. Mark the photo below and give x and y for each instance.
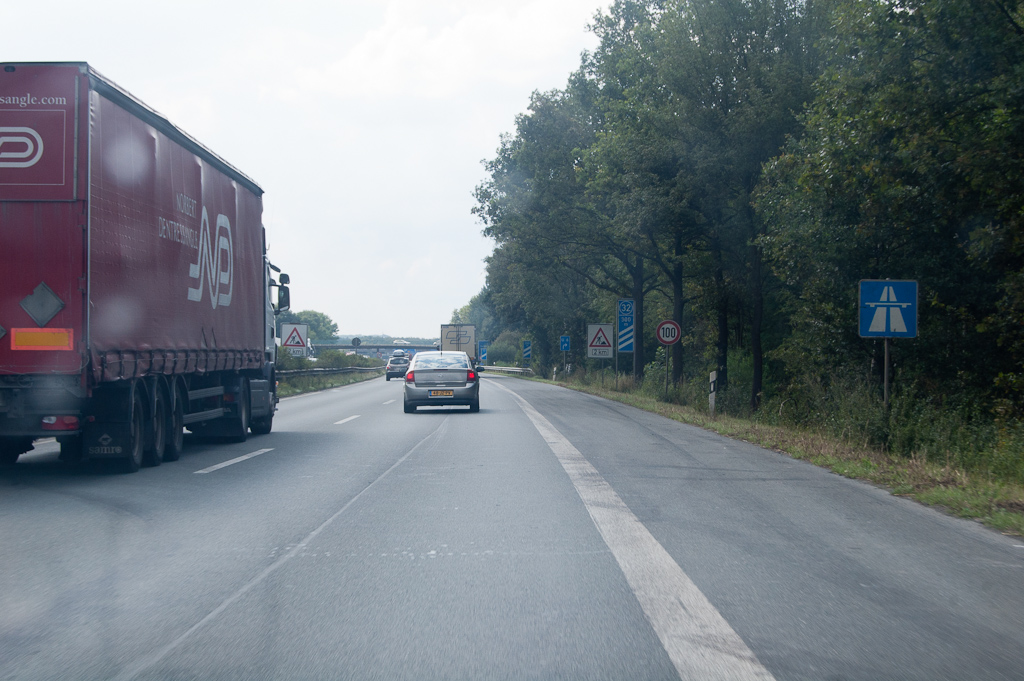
(459, 337)
(136, 297)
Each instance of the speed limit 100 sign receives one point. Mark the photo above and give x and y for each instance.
(669, 332)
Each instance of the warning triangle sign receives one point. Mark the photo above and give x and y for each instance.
(294, 340)
(600, 340)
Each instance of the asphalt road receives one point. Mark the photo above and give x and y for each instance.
(553, 535)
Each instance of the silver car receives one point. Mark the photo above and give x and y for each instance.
(436, 378)
(396, 367)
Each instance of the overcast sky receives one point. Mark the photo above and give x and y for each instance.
(364, 122)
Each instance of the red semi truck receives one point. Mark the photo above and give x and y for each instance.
(136, 298)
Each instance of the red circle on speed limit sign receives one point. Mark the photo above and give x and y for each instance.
(669, 332)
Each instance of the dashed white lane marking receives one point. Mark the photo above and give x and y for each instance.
(350, 418)
(148, 661)
(698, 640)
(390, 402)
(234, 461)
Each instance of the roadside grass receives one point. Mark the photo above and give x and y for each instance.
(297, 385)
(329, 359)
(977, 495)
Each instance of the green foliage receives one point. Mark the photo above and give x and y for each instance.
(321, 327)
(336, 359)
(285, 360)
(738, 166)
(895, 176)
(505, 349)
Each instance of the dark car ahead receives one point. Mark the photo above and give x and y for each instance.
(442, 378)
(396, 367)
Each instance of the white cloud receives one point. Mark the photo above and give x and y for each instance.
(364, 121)
(441, 50)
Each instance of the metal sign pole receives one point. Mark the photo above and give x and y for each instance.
(666, 371)
(885, 389)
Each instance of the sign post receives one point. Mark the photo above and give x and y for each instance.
(668, 333)
(888, 309)
(713, 378)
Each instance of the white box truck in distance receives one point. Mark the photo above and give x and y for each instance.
(459, 337)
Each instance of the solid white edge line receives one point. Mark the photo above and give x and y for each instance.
(698, 640)
(350, 418)
(234, 461)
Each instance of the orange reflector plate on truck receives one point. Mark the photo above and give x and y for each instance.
(42, 339)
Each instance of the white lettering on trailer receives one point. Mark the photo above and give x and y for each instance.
(215, 262)
(29, 99)
(175, 231)
(186, 204)
(24, 147)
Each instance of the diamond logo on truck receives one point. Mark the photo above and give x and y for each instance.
(43, 305)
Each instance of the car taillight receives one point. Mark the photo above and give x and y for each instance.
(470, 376)
(409, 378)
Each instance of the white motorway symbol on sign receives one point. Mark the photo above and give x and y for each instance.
(599, 344)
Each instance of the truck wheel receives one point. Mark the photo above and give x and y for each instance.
(175, 429)
(262, 425)
(244, 407)
(136, 440)
(154, 453)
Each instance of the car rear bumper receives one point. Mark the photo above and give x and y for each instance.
(420, 396)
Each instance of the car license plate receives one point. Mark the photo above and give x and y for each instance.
(442, 393)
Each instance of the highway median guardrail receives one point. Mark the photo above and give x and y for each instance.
(325, 371)
(526, 371)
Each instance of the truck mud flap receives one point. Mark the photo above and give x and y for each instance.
(106, 440)
(259, 398)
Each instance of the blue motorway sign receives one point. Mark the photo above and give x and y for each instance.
(563, 344)
(482, 350)
(888, 309)
(626, 326)
(527, 348)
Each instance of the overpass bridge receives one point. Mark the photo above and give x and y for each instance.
(370, 349)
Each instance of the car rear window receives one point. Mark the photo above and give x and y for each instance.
(442, 362)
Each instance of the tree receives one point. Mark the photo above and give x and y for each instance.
(908, 162)
(320, 325)
(698, 94)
